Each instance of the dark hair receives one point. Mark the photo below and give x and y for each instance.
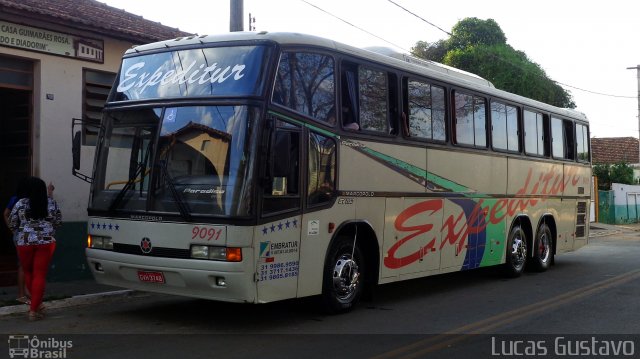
(22, 190)
(38, 200)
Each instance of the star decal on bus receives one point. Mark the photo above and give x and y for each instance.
(280, 226)
(105, 226)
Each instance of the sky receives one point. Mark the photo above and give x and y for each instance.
(586, 46)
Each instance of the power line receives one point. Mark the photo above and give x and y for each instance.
(452, 35)
(419, 17)
(350, 24)
(559, 83)
(524, 70)
(595, 92)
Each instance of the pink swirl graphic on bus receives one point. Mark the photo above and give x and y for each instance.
(469, 226)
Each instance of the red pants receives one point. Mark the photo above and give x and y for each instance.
(35, 261)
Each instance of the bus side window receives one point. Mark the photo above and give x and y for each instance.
(536, 134)
(395, 113)
(569, 140)
(470, 120)
(504, 127)
(564, 142)
(321, 174)
(305, 83)
(426, 111)
(373, 100)
(281, 192)
(582, 142)
(349, 90)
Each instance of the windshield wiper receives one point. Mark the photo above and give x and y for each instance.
(140, 171)
(182, 206)
(127, 186)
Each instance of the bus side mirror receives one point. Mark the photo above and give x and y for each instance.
(76, 145)
(75, 150)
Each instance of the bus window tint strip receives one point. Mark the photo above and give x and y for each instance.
(228, 71)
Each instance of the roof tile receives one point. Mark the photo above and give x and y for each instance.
(614, 150)
(104, 18)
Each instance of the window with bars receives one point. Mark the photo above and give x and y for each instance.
(96, 87)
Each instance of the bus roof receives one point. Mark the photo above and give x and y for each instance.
(382, 55)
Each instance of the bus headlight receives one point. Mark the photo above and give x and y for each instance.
(200, 252)
(227, 254)
(218, 253)
(99, 242)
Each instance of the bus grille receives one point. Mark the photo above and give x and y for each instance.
(155, 252)
(581, 220)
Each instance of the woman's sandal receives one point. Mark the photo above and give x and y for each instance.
(24, 300)
(33, 316)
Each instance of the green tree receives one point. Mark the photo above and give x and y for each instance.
(435, 51)
(601, 171)
(473, 31)
(480, 47)
(621, 173)
(617, 173)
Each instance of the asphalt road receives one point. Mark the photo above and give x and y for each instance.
(589, 297)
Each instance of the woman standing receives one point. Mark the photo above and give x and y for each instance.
(35, 219)
(21, 192)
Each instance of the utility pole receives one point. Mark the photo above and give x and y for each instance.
(236, 17)
(637, 68)
(252, 23)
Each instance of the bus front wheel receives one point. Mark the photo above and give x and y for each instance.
(516, 252)
(343, 279)
(542, 249)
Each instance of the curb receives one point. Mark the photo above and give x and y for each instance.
(634, 229)
(83, 299)
(604, 233)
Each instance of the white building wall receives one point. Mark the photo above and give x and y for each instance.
(624, 193)
(636, 173)
(51, 142)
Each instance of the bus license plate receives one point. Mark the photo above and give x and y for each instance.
(151, 277)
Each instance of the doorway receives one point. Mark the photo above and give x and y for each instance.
(16, 112)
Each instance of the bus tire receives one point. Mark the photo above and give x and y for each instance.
(343, 277)
(542, 249)
(516, 252)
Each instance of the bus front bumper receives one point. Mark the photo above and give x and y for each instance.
(214, 280)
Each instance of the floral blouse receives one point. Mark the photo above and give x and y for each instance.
(34, 231)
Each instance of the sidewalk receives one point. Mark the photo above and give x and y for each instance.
(603, 229)
(61, 294)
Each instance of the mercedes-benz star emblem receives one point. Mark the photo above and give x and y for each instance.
(145, 245)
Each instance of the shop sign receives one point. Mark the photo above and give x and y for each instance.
(34, 39)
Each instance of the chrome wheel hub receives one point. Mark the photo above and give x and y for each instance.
(345, 277)
(544, 249)
(518, 252)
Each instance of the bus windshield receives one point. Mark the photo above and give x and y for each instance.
(192, 160)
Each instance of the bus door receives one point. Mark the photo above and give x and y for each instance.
(277, 238)
(324, 213)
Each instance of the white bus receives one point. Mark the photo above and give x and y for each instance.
(256, 167)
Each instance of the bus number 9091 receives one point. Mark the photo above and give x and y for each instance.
(208, 233)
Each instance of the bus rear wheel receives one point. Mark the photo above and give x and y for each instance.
(542, 249)
(343, 279)
(516, 252)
